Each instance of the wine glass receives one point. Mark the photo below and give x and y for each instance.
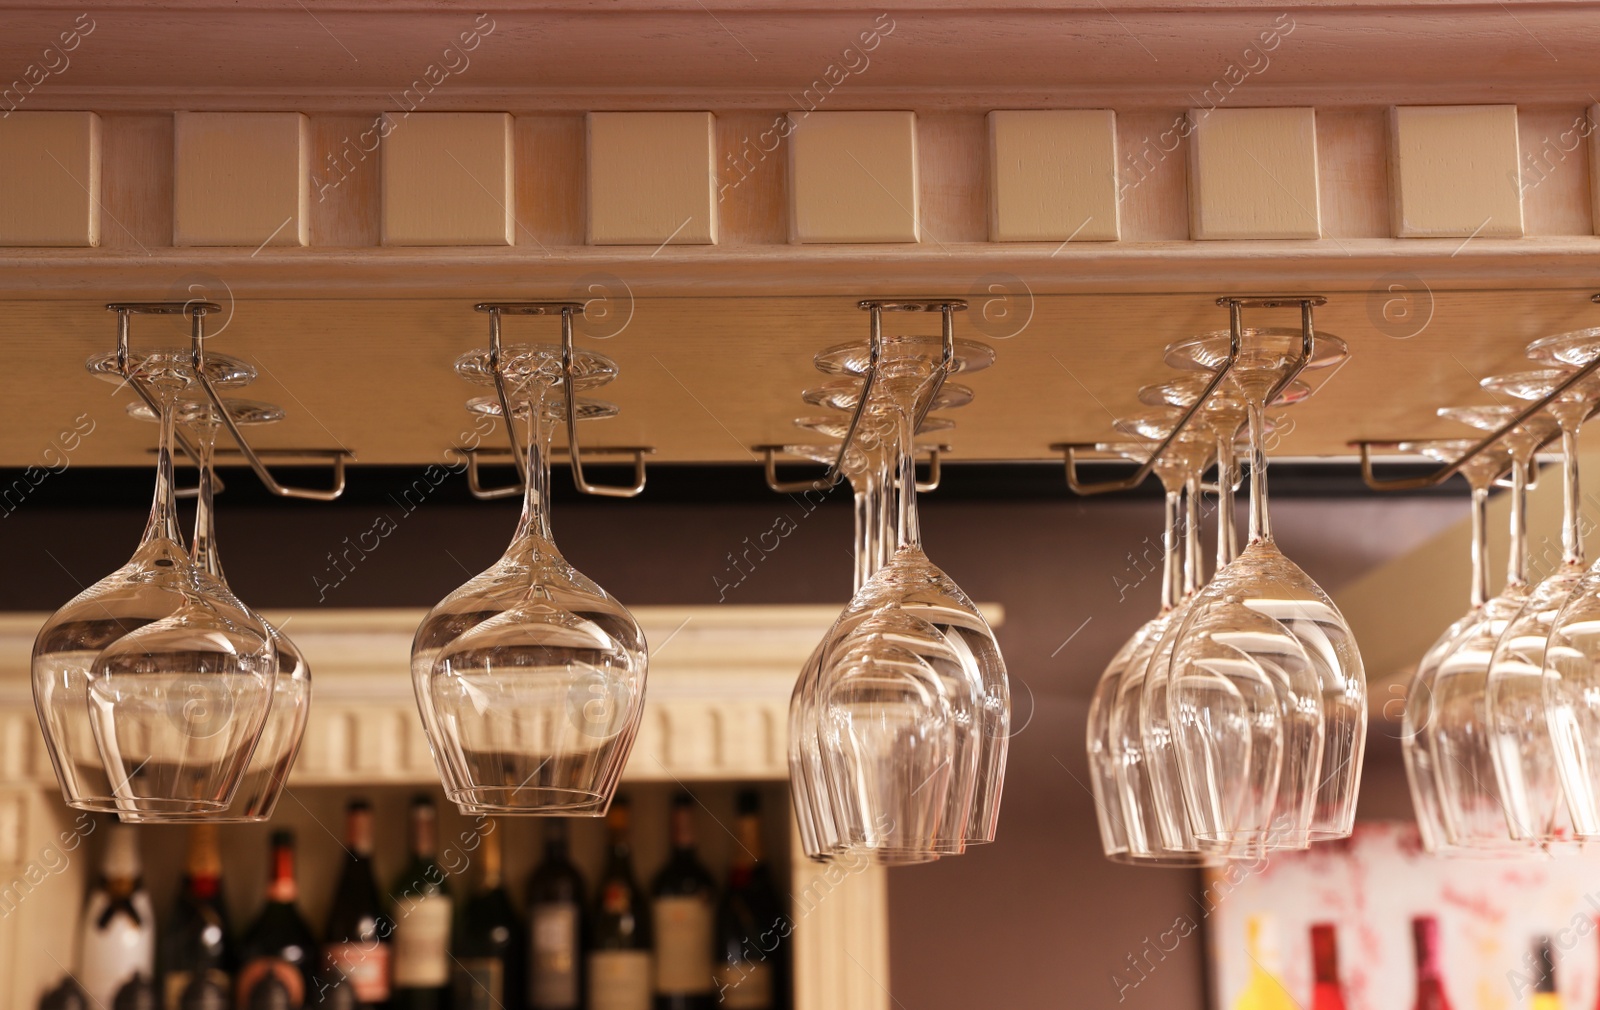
(1155, 832)
(529, 678)
(1571, 684)
(866, 467)
(1264, 666)
(1521, 742)
(154, 684)
(1458, 735)
(913, 703)
(268, 771)
(1104, 780)
(1416, 738)
(1221, 417)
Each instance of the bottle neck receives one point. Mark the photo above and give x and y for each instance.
(282, 889)
(682, 829)
(1425, 936)
(489, 854)
(204, 865)
(358, 832)
(748, 832)
(424, 831)
(1325, 955)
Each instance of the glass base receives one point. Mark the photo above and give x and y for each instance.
(530, 801)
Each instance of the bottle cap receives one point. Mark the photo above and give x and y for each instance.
(120, 861)
(748, 802)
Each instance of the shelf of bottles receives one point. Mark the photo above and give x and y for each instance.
(390, 897)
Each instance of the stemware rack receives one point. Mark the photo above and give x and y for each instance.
(196, 311)
(565, 311)
(1450, 469)
(1235, 304)
(875, 308)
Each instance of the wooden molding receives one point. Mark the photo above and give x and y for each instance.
(50, 179)
(651, 180)
(241, 179)
(1053, 176)
(1455, 171)
(447, 179)
(853, 177)
(1253, 174)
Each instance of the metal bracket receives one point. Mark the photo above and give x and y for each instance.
(474, 466)
(876, 307)
(935, 469)
(197, 311)
(1235, 304)
(565, 310)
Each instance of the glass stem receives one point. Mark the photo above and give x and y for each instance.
(1171, 557)
(1571, 536)
(204, 548)
(1260, 524)
(1480, 546)
(535, 519)
(1517, 563)
(163, 522)
(866, 506)
(1193, 554)
(908, 535)
(1226, 546)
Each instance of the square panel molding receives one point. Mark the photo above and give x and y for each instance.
(1053, 176)
(447, 179)
(853, 177)
(50, 179)
(651, 180)
(1253, 174)
(241, 179)
(1454, 171)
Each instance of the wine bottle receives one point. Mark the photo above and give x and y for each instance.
(555, 926)
(355, 950)
(278, 952)
(1430, 980)
(1545, 996)
(488, 950)
(683, 920)
(119, 926)
(619, 975)
(1263, 991)
(196, 948)
(1327, 992)
(420, 906)
(751, 972)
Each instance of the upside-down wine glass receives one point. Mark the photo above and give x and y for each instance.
(1154, 836)
(1264, 664)
(1458, 735)
(268, 771)
(1524, 751)
(1572, 676)
(1222, 415)
(913, 703)
(1104, 781)
(529, 677)
(153, 685)
(1416, 741)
